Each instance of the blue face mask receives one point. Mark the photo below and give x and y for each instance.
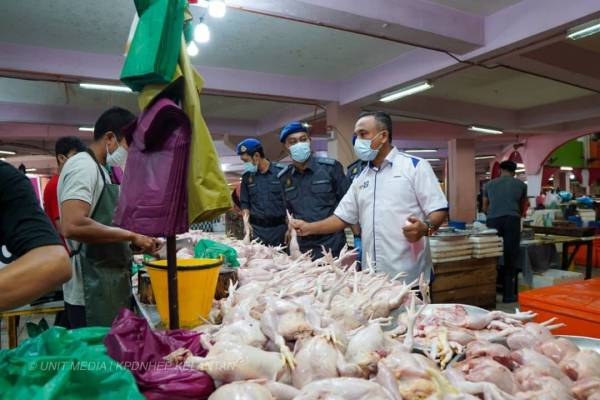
(363, 150)
(300, 151)
(249, 167)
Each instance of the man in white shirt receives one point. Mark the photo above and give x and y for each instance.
(396, 199)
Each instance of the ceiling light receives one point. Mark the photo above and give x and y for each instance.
(572, 176)
(520, 170)
(86, 128)
(192, 49)
(217, 8)
(420, 151)
(406, 91)
(432, 159)
(584, 30)
(551, 178)
(566, 168)
(30, 169)
(484, 157)
(110, 88)
(201, 33)
(482, 129)
(520, 165)
(7, 152)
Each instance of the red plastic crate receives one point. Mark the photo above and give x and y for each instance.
(577, 304)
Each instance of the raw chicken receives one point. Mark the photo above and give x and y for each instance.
(246, 331)
(581, 365)
(242, 391)
(489, 391)
(539, 364)
(587, 389)
(481, 348)
(293, 244)
(230, 362)
(344, 389)
(545, 388)
(488, 370)
(556, 349)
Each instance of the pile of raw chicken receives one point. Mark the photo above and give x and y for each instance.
(293, 328)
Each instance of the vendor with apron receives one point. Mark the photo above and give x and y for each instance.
(100, 253)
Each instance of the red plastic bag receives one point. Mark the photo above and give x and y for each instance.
(136, 346)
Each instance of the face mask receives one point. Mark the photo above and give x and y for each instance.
(363, 150)
(300, 151)
(118, 158)
(249, 167)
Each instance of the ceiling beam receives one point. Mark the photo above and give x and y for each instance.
(415, 22)
(66, 65)
(561, 112)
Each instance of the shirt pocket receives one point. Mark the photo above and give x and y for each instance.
(276, 191)
(321, 186)
(253, 191)
(323, 192)
(291, 193)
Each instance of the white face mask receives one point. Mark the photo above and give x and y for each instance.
(118, 158)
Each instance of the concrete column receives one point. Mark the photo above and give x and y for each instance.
(340, 121)
(462, 191)
(534, 187)
(585, 176)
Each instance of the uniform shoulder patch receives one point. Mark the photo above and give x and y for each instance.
(326, 160)
(283, 171)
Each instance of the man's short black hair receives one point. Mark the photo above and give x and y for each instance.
(113, 120)
(508, 165)
(384, 121)
(65, 144)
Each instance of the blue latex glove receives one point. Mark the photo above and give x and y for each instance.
(358, 247)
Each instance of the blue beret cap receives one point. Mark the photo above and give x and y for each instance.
(290, 128)
(249, 145)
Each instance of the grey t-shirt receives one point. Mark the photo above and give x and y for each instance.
(505, 195)
(79, 180)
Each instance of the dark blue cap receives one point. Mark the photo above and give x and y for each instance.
(249, 146)
(292, 127)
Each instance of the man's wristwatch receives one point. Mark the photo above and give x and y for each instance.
(430, 228)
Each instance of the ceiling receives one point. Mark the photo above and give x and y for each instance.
(477, 7)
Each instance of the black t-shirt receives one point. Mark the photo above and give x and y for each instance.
(23, 224)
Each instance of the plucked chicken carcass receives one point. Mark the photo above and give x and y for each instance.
(581, 365)
(344, 389)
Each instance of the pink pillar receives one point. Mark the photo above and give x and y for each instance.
(462, 191)
(341, 120)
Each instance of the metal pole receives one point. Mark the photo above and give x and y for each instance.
(172, 282)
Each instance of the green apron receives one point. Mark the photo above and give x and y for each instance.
(106, 268)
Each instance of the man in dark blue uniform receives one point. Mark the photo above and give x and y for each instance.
(261, 195)
(313, 186)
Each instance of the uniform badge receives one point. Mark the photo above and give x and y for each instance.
(364, 185)
(251, 179)
(243, 149)
(355, 170)
(288, 182)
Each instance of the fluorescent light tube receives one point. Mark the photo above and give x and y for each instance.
(566, 168)
(520, 165)
(406, 91)
(432, 159)
(484, 157)
(86, 128)
(520, 170)
(482, 129)
(30, 169)
(420, 151)
(584, 30)
(7, 152)
(110, 88)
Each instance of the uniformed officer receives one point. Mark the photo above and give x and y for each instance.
(397, 201)
(261, 195)
(313, 187)
(356, 167)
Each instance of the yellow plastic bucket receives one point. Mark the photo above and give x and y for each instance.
(196, 285)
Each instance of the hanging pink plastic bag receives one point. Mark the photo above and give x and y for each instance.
(136, 346)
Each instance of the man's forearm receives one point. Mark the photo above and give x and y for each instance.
(328, 225)
(32, 275)
(87, 230)
(437, 218)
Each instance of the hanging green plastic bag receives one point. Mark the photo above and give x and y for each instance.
(210, 249)
(65, 364)
(154, 51)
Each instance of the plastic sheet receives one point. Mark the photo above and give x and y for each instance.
(210, 249)
(135, 345)
(64, 364)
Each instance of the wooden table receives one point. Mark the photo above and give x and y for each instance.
(11, 317)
